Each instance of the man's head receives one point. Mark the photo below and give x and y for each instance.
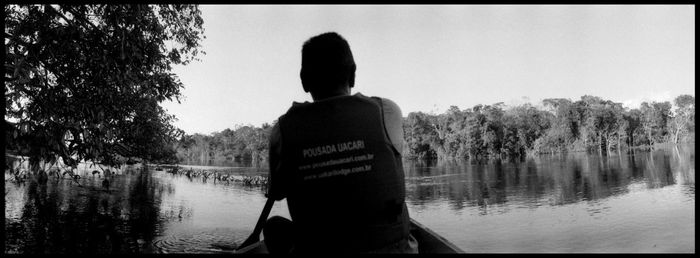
(327, 65)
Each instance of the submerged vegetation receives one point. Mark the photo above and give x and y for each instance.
(590, 124)
(222, 176)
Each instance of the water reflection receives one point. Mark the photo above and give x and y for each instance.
(572, 202)
(637, 202)
(547, 180)
(62, 217)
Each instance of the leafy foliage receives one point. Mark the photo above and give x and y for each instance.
(85, 82)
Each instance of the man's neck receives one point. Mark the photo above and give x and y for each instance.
(318, 96)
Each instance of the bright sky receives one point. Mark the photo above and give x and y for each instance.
(426, 58)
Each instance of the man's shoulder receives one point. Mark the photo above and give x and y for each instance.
(390, 107)
(387, 103)
(390, 104)
(276, 125)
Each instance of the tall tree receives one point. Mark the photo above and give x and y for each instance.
(81, 81)
(655, 119)
(683, 121)
(419, 132)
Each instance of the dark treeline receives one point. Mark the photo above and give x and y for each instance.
(243, 144)
(590, 124)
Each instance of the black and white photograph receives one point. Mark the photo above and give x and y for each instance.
(349, 129)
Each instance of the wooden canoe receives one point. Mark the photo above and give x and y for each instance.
(429, 242)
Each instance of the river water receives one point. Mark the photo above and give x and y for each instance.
(627, 202)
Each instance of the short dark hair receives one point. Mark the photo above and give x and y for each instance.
(326, 61)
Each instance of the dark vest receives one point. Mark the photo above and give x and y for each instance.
(347, 191)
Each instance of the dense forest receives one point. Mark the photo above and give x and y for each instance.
(588, 124)
(495, 131)
(243, 143)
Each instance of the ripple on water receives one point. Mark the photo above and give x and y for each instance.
(219, 240)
